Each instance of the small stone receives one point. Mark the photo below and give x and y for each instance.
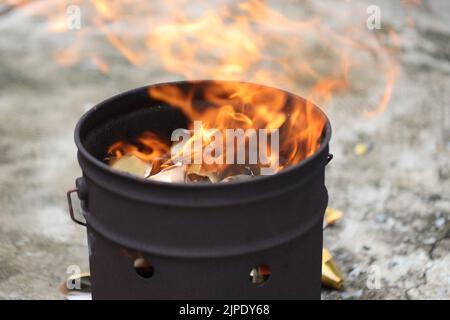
(435, 197)
(407, 239)
(355, 294)
(22, 242)
(366, 247)
(444, 172)
(439, 223)
(380, 218)
(392, 264)
(429, 241)
(354, 272)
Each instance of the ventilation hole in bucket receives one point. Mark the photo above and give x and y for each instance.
(260, 274)
(143, 268)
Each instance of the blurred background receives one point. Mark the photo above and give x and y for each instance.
(379, 69)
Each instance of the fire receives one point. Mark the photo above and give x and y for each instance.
(226, 106)
(153, 147)
(247, 40)
(318, 56)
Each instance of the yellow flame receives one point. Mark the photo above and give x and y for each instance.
(248, 40)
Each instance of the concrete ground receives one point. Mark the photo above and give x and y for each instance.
(394, 239)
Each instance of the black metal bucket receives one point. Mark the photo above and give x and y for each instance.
(153, 240)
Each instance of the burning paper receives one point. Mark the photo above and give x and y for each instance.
(331, 276)
(172, 174)
(245, 129)
(331, 217)
(132, 165)
(197, 172)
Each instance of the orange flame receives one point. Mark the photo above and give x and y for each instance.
(235, 105)
(247, 41)
(152, 147)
